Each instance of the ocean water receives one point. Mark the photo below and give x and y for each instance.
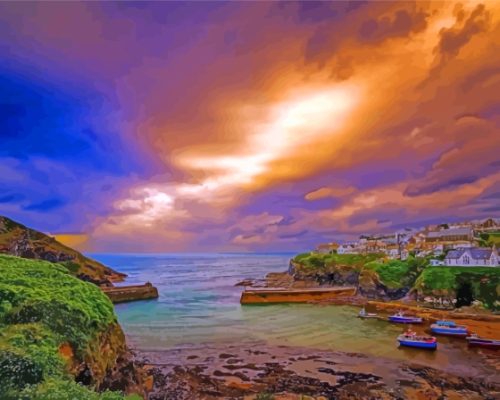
(199, 304)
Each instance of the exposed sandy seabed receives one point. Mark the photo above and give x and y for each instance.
(242, 371)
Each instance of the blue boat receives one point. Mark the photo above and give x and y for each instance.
(411, 339)
(449, 328)
(400, 318)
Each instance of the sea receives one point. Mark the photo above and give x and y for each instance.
(199, 305)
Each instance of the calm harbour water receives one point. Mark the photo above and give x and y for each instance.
(199, 304)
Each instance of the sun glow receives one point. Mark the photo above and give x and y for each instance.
(301, 120)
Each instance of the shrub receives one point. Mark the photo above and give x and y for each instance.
(264, 396)
(485, 281)
(17, 371)
(56, 389)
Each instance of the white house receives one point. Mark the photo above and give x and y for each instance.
(473, 257)
(438, 249)
(392, 252)
(347, 249)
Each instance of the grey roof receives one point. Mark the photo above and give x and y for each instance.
(450, 232)
(477, 253)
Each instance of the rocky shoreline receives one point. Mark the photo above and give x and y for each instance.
(251, 370)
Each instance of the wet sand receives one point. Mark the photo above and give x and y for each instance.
(242, 371)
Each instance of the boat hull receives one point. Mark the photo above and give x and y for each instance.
(418, 345)
(405, 320)
(489, 344)
(446, 331)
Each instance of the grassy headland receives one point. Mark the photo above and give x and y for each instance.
(43, 310)
(21, 241)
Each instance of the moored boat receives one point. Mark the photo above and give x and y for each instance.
(364, 314)
(476, 340)
(449, 328)
(400, 318)
(411, 339)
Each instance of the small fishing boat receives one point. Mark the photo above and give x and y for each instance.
(411, 339)
(476, 340)
(364, 314)
(449, 328)
(400, 318)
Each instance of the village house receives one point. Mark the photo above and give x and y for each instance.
(488, 225)
(473, 257)
(450, 235)
(459, 244)
(347, 249)
(375, 246)
(327, 248)
(392, 251)
(438, 249)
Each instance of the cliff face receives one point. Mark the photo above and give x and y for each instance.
(106, 363)
(20, 241)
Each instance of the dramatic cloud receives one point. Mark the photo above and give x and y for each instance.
(247, 126)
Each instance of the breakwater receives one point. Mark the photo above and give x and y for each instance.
(278, 295)
(121, 294)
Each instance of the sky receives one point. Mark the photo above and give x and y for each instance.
(246, 126)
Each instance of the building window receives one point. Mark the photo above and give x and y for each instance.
(466, 260)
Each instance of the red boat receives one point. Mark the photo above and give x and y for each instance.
(475, 340)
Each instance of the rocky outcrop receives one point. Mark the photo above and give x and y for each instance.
(333, 274)
(20, 241)
(370, 286)
(367, 281)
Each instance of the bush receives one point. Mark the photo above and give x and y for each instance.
(264, 396)
(393, 274)
(54, 389)
(485, 281)
(17, 371)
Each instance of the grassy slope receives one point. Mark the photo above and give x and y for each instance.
(41, 307)
(320, 261)
(491, 238)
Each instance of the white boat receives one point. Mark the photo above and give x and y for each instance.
(364, 314)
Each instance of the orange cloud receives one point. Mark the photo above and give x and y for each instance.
(325, 192)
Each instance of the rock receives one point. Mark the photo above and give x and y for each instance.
(245, 282)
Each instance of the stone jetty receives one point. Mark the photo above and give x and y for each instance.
(121, 294)
(283, 295)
